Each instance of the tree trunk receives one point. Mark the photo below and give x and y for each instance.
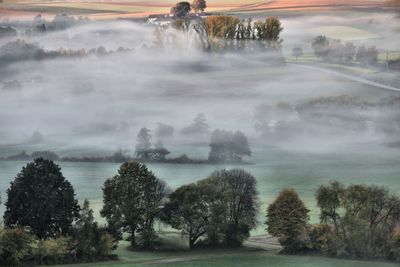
(191, 243)
(133, 241)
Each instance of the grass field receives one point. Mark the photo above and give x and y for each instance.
(343, 33)
(246, 256)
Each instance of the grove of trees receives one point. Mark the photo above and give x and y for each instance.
(337, 52)
(357, 221)
(220, 33)
(220, 209)
(43, 223)
(228, 147)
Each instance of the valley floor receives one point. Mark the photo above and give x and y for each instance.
(235, 258)
(259, 251)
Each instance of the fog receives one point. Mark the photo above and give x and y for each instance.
(99, 102)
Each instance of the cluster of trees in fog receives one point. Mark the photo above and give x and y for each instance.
(225, 147)
(44, 223)
(222, 33)
(46, 154)
(59, 22)
(20, 50)
(337, 52)
(228, 147)
(343, 114)
(146, 150)
(357, 221)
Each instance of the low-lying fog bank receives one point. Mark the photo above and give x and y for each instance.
(108, 81)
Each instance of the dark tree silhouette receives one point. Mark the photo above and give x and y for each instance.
(181, 9)
(42, 199)
(199, 5)
(132, 200)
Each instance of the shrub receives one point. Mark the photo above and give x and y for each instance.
(16, 246)
(394, 246)
(54, 251)
(323, 240)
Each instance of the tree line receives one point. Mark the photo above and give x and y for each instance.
(45, 225)
(357, 221)
(221, 33)
(337, 52)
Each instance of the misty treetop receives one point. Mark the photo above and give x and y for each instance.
(228, 147)
(146, 150)
(336, 52)
(199, 126)
(333, 115)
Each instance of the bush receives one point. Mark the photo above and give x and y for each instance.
(394, 246)
(105, 246)
(54, 251)
(16, 246)
(323, 240)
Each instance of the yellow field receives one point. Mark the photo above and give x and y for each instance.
(103, 9)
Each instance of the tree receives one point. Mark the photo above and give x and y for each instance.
(234, 203)
(87, 234)
(132, 201)
(367, 55)
(199, 125)
(287, 219)
(371, 216)
(364, 217)
(188, 210)
(297, 52)
(199, 5)
(219, 27)
(143, 143)
(330, 199)
(321, 46)
(226, 146)
(268, 32)
(159, 152)
(42, 199)
(181, 9)
(240, 146)
(349, 52)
